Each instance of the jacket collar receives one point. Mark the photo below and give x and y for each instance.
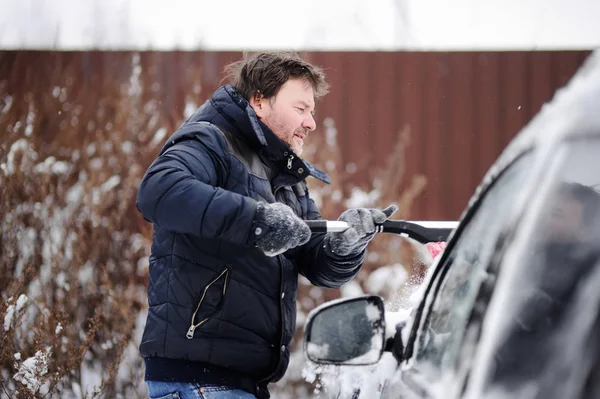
(238, 117)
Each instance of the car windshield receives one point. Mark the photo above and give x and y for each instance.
(551, 331)
(464, 269)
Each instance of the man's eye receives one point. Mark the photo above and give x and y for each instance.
(300, 109)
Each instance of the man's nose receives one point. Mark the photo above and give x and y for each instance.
(309, 123)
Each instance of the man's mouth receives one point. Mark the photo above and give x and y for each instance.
(300, 135)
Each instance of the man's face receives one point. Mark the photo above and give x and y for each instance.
(289, 114)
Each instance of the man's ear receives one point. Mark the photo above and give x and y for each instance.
(259, 103)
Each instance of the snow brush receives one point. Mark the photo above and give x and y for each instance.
(424, 232)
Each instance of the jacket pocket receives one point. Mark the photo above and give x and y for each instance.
(219, 283)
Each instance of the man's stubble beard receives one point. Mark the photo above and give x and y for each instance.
(277, 126)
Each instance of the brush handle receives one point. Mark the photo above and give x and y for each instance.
(422, 231)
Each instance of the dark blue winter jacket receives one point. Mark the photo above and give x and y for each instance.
(216, 302)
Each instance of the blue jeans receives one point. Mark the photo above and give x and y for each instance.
(189, 390)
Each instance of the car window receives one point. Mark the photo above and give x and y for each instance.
(463, 269)
(554, 292)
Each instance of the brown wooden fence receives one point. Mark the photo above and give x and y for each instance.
(462, 108)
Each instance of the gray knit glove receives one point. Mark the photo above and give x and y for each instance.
(277, 228)
(362, 223)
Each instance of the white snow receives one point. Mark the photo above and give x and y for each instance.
(190, 108)
(303, 281)
(317, 198)
(61, 281)
(316, 351)
(111, 183)
(29, 121)
(142, 265)
(306, 302)
(343, 381)
(351, 168)
(8, 317)
(75, 194)
(91, 149)
(159, 137)
(331, 25)
(70, 243)
(372, 257)
(91, 376)
(386, 279)
(127, 147)
(330, 132)
(351, 289)
(59, 168)
(26, 244)
(373, 313)
(315, 293)
(96, 163)
(106, 345)
(52, 166)
(309, 374)
(33, 368)
(132, 362)
(20, 146)
(359, 198)
(329, 165)
(300, 318)
(21, 301)
(135, 87)
(336, 196)
(392, 319)
(8, 101)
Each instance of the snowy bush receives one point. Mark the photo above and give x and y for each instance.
(74, 250)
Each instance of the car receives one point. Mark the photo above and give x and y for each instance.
(511, 308)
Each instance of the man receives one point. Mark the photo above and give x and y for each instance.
(227, 197)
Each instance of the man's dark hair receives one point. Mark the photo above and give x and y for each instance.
(263, 74)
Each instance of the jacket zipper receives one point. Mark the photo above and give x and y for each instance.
(190, 332)
(289, 166)
(282, 326)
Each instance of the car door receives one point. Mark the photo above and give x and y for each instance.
(440, 323)
(550, 284)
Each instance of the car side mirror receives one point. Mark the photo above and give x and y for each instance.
(347, 331)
